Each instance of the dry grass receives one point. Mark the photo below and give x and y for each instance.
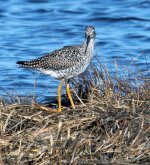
(111, 124)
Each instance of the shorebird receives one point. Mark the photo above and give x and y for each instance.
(65, 63)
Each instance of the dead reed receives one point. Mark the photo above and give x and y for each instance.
(111, 124)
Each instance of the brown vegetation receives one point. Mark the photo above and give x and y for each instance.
(111, 124)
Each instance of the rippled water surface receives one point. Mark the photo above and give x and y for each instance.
(30, 28)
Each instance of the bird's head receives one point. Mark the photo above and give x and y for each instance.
(89, 32)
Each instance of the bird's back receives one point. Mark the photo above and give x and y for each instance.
(60, 59)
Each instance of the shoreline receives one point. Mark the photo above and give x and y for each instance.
(110, 124)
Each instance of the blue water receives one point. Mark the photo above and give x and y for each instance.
(30, 28)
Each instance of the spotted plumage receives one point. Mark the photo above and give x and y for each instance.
(66, 62)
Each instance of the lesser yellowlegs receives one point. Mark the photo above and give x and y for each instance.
(65, 63)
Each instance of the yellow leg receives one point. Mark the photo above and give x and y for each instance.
(59, 96)
(69, 96)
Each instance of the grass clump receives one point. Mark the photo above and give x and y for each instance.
(111, 124)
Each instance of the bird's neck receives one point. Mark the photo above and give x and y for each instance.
(88, 45)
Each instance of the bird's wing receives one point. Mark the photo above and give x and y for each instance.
(63, 58)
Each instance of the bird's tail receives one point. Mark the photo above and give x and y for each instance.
(26, 64)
